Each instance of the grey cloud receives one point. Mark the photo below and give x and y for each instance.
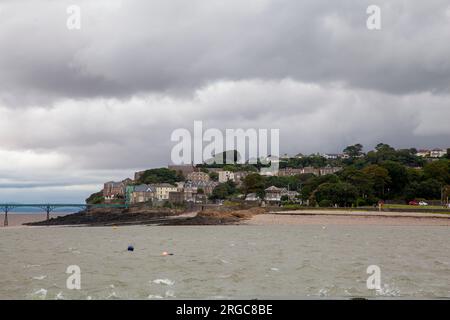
(78, 108)
(135, 133)
(160, 46)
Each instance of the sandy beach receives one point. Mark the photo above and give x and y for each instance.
(329, 217)
(17, 219)
(299, 217)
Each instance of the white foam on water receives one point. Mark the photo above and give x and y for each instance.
(388, 291)
(170, 294)
(41, 293)
(151, 296)
(274, 269)
(40, 277)
(167, 282)
(112, 295)
(59, 296)
(324, 292)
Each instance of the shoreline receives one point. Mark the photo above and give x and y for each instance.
(16, 219)
(350, 219)
(363, 213)
(246, 217)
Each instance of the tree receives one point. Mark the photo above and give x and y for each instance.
(438, 170)
(214, 176)
(341, 193)
(312, 183)
(254, 183)
(223, 191)
(446, 193)
(359, 179)
(96, 198)
(383, 152)
(398, 176)
(408, 157)
(384, 148)
(379, 177)
(161, 175)
(414, 175)
(222, 157)
(354, 151)
(291, 182)
(428, 189)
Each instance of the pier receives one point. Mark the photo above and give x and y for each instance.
(49, 207)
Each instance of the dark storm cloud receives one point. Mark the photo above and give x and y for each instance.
(78, 108)
(132, 47)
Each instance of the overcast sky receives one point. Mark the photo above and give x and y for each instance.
(80, 107)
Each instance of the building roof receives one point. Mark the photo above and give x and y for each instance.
(197, 173)
(163, 185)
(333, 154)
(275, 189)
(114, 183)
(200, 184)
(144, 188)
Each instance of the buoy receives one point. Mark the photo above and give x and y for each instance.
(130, 248)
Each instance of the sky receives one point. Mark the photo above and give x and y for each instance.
(79, 107)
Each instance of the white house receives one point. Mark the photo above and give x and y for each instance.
(224, 176)
(163, 190)
(437, 153)
(252, 197)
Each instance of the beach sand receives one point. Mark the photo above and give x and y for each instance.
(300, 217)
(17, 219)
(324, 217)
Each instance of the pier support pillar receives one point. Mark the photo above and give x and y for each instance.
(5, 223)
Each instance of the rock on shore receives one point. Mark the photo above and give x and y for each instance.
(108, 216)
(158, 216)
(220, 216)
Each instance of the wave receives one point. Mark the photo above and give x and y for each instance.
(167, 282)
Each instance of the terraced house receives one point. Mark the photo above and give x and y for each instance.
(142, 193)
(198, 176)
(115, 190)
(163, 190)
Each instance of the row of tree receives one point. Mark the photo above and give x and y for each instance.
(381, 174)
